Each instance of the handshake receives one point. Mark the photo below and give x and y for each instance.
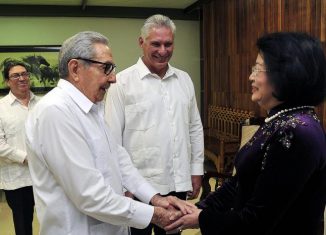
(173, 214)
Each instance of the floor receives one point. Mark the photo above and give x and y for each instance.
(7, 227)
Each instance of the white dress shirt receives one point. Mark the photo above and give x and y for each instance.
(158, 122)
(13, 173)
(79, 171)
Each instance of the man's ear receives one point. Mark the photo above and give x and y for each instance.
(73, 68)
(140, 41)
(7, 82)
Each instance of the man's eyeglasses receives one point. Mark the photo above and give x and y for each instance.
(255, 70)
(16, 76)
(108, 67)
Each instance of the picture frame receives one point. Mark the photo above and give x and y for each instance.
(42, 63)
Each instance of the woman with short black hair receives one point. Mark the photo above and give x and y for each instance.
(280, 181)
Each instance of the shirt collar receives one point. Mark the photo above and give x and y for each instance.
(144, 71)
(78, 97)
(13, 98)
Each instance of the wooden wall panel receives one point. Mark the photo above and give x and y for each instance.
(230, 30)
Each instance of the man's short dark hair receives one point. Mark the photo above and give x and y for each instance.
(9, 63)
(296, 67)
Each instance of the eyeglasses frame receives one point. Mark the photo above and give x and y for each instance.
(255, 71)
(16, 76)
(108, 69)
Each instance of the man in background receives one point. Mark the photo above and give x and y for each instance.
(78, 170)
(152, 112)
(15, 178)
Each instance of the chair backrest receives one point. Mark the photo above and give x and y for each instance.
(223, 121)
(249, 128)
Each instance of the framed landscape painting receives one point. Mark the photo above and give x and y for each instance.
(42, 63)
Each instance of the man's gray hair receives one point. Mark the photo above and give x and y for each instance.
(156, 21)
(79, 45)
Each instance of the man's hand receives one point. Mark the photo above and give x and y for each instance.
(129, 194)
(196, 184)
(158, 200)
(172, 203)
(184, 222)
(163, 217)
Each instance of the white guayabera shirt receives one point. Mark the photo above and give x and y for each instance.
(13, 173)
(78, 170)
(158, 122)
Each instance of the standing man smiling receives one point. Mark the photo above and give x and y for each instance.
(152, 112)
(15, 178)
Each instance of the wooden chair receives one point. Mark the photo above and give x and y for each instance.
(222, 136)
(247, 128)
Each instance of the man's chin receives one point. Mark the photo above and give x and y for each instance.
(99, 98)
(24, 89)
(162, 62)
(161, 65)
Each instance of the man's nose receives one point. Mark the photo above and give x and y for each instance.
(112, 78)
(22, 78)
(162, 49)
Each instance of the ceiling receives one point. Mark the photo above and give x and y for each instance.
(177, 4)
(176, 9)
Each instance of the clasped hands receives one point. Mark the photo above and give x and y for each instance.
(174, 214)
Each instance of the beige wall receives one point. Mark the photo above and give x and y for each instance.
(122, 33)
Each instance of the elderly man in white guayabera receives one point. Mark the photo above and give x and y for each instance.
(78, 170)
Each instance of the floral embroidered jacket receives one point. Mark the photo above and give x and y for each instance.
(280, 182)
